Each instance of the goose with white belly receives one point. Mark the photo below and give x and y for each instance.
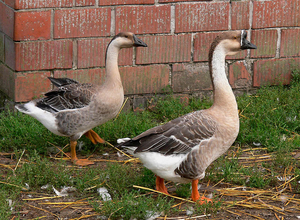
(182, 149)
(73, 109)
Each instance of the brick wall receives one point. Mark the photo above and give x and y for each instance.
(68, 38)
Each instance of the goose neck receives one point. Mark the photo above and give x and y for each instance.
(223, 95)
(111, 64)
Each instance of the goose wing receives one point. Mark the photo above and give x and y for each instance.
(177, 136)
(69, 95)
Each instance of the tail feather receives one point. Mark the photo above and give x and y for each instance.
(21, 108)
(58, 82)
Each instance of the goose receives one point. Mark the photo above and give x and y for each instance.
(73, 109)
(182, 149)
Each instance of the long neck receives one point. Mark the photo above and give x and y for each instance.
(111, 65)
(223, 95)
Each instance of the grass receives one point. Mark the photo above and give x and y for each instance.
(269, 127)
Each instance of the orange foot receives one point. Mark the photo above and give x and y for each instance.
(195, 194)
(204, 200)
(74, 159)
(94, 137)
(83, 162)
(160, 185)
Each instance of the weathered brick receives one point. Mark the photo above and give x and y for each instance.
(86, 22)
(126, 2)
(166, 1)
(238, 76)
(201, 16)
(276, 13)
(165, 49)
(290, 43)
(1, 47)
(91, 53)
(145, 79)
(240, 15)
(7, 81)
(34, 25)
(202, 43)
(275, 71)
(6, 20)
(95, 76)
(84, 2)
(136, 80)
(41, 55)
(31, 85)
(26, 4)
(266, 42)
(9, 52)
(190, 77)
(144, 19)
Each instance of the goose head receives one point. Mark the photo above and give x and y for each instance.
(233, 42)
(127, 40)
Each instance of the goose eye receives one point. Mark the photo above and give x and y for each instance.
(235, 37)
(126, 36)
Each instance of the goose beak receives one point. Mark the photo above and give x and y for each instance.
(247, 45)
(138, 42)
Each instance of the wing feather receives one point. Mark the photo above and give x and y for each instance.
(177, 136)
(71, 95)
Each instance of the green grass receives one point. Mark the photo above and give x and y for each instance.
(270, 119)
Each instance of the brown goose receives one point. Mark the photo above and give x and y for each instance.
(73, 109)
(183, 148)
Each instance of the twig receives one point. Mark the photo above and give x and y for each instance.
(43, 210)
(23, 188)
(121, 109)
(19, 161)
(118, 149)
(175, 197)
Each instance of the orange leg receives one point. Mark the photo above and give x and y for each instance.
(195, 194)
(94, 137)
(160, 185)
(74, 159)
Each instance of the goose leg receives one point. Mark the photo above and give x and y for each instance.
(94, 137)
(160, 185)
(74, 159)
(195, 194)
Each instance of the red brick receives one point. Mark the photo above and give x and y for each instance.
(275, 71)
(95, 76)
(91, 53)
(145, 79)
(126, 2)
(2, 47)
(266, 42)
(202, 16)
(276, 13)
(202, 42)
(7, 81)
(191, 77)
(9, 53)
(84, 2)
(29, 86)
(32, 25)
(166, 1)
(86, 22)
(165, 49)
(6, 20)
(10, 3)
(144, 19)
(240, 15)
(41, 55)
(26, 4)
(239, 77)
(290, 43)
